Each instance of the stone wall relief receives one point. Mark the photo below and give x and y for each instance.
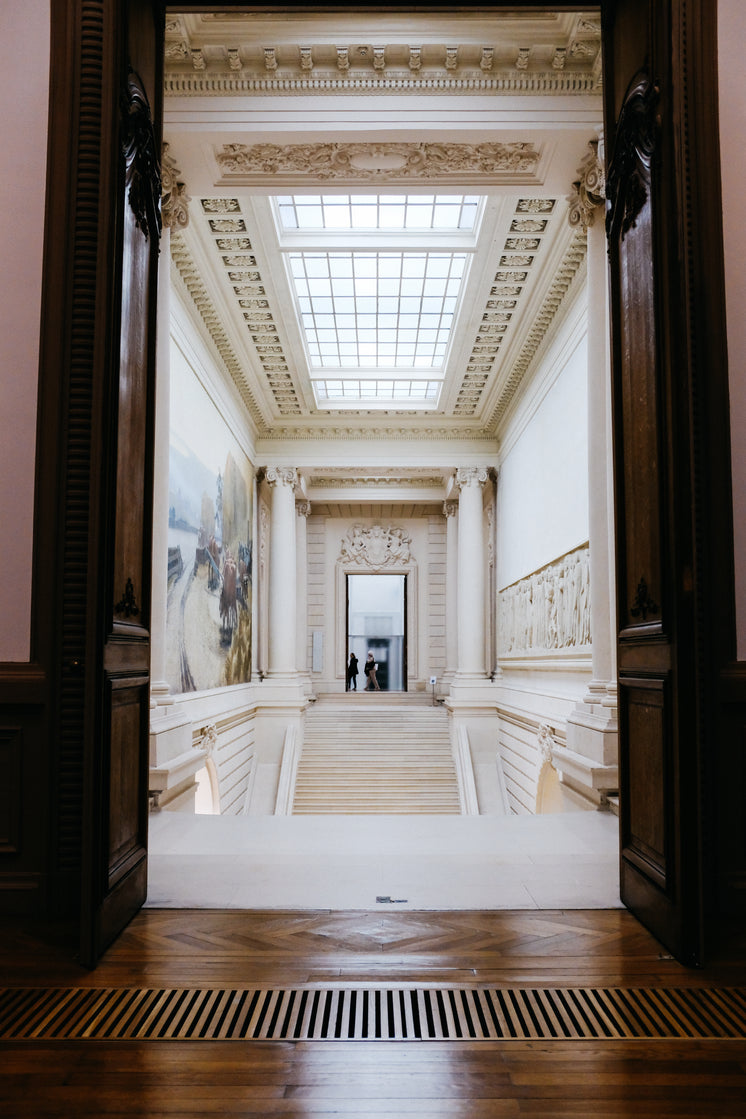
(375, 546)
(548, 610)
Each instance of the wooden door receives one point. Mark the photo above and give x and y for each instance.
(116, 744)
(661, 146)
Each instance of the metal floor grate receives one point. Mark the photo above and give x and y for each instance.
(392, 1014)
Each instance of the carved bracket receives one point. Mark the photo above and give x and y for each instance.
(628, 181)
(142, 166)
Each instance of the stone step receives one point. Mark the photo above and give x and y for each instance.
(370, 755)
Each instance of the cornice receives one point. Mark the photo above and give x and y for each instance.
(572, 260)
(375, 481)
(198, 293)
(279, 83)
(346, 431)
(505, 299)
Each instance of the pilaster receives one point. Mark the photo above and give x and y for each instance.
(592, 727)
(303, 511)
(173, 760)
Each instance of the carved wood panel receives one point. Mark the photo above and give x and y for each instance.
(127, 777)
(11, 752)
(645, 776)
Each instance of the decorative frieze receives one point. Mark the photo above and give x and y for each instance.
(375, 546)
(244, 163)
(381, 80)
(548, 610)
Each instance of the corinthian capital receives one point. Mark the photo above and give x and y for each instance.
(465, 475)
(287, 475)
(588, 194)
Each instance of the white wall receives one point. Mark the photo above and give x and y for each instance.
(731, 39)
(24, 28)
(542, 486)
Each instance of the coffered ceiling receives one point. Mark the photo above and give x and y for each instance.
(332, 103)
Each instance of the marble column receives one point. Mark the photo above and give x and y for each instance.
(450, 510)
(592, 727)
(282, 571)
(303, 510)
(471, 568)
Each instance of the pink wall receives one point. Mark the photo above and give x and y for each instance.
(732, 36)
(24, 29)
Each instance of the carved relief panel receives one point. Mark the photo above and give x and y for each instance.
(547, 610)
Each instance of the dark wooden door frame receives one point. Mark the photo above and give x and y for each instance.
(78, 317)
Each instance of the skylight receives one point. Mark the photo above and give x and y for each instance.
(382, 310)
(377, 281)
(402, 212)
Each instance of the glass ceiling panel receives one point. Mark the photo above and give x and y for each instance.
(335, 213)
(377, 310)
(350, 392)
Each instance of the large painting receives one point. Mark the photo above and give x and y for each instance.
(209, 544)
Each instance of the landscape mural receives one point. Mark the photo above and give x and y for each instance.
(209, 544)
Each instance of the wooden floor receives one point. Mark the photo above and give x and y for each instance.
(153, 1079)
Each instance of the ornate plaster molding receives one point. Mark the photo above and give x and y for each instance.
(192, 280)
(588, 194)
(303, 508)
(563, 278)
(208, 740)
(450, 508)
(282, 475)
(240, 264)
(499, 310)
(174, 198)
(466, 475)
(229, 83)
(377, 481)
(375, 546)
(546, 744)
(454, 431)
(246, 163)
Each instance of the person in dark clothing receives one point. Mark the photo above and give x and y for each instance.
(352, 674)
(369, 668)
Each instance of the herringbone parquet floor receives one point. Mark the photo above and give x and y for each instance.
(361, 1079)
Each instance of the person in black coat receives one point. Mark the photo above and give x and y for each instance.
(352, 674)
(369, 668)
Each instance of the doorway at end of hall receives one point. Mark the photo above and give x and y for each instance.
(377, 624)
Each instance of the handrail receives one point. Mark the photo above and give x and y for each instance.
(288, 773)
(467, 789)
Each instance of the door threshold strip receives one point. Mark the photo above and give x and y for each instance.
(365, 1014)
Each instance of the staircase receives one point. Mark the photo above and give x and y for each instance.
(377, 754)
